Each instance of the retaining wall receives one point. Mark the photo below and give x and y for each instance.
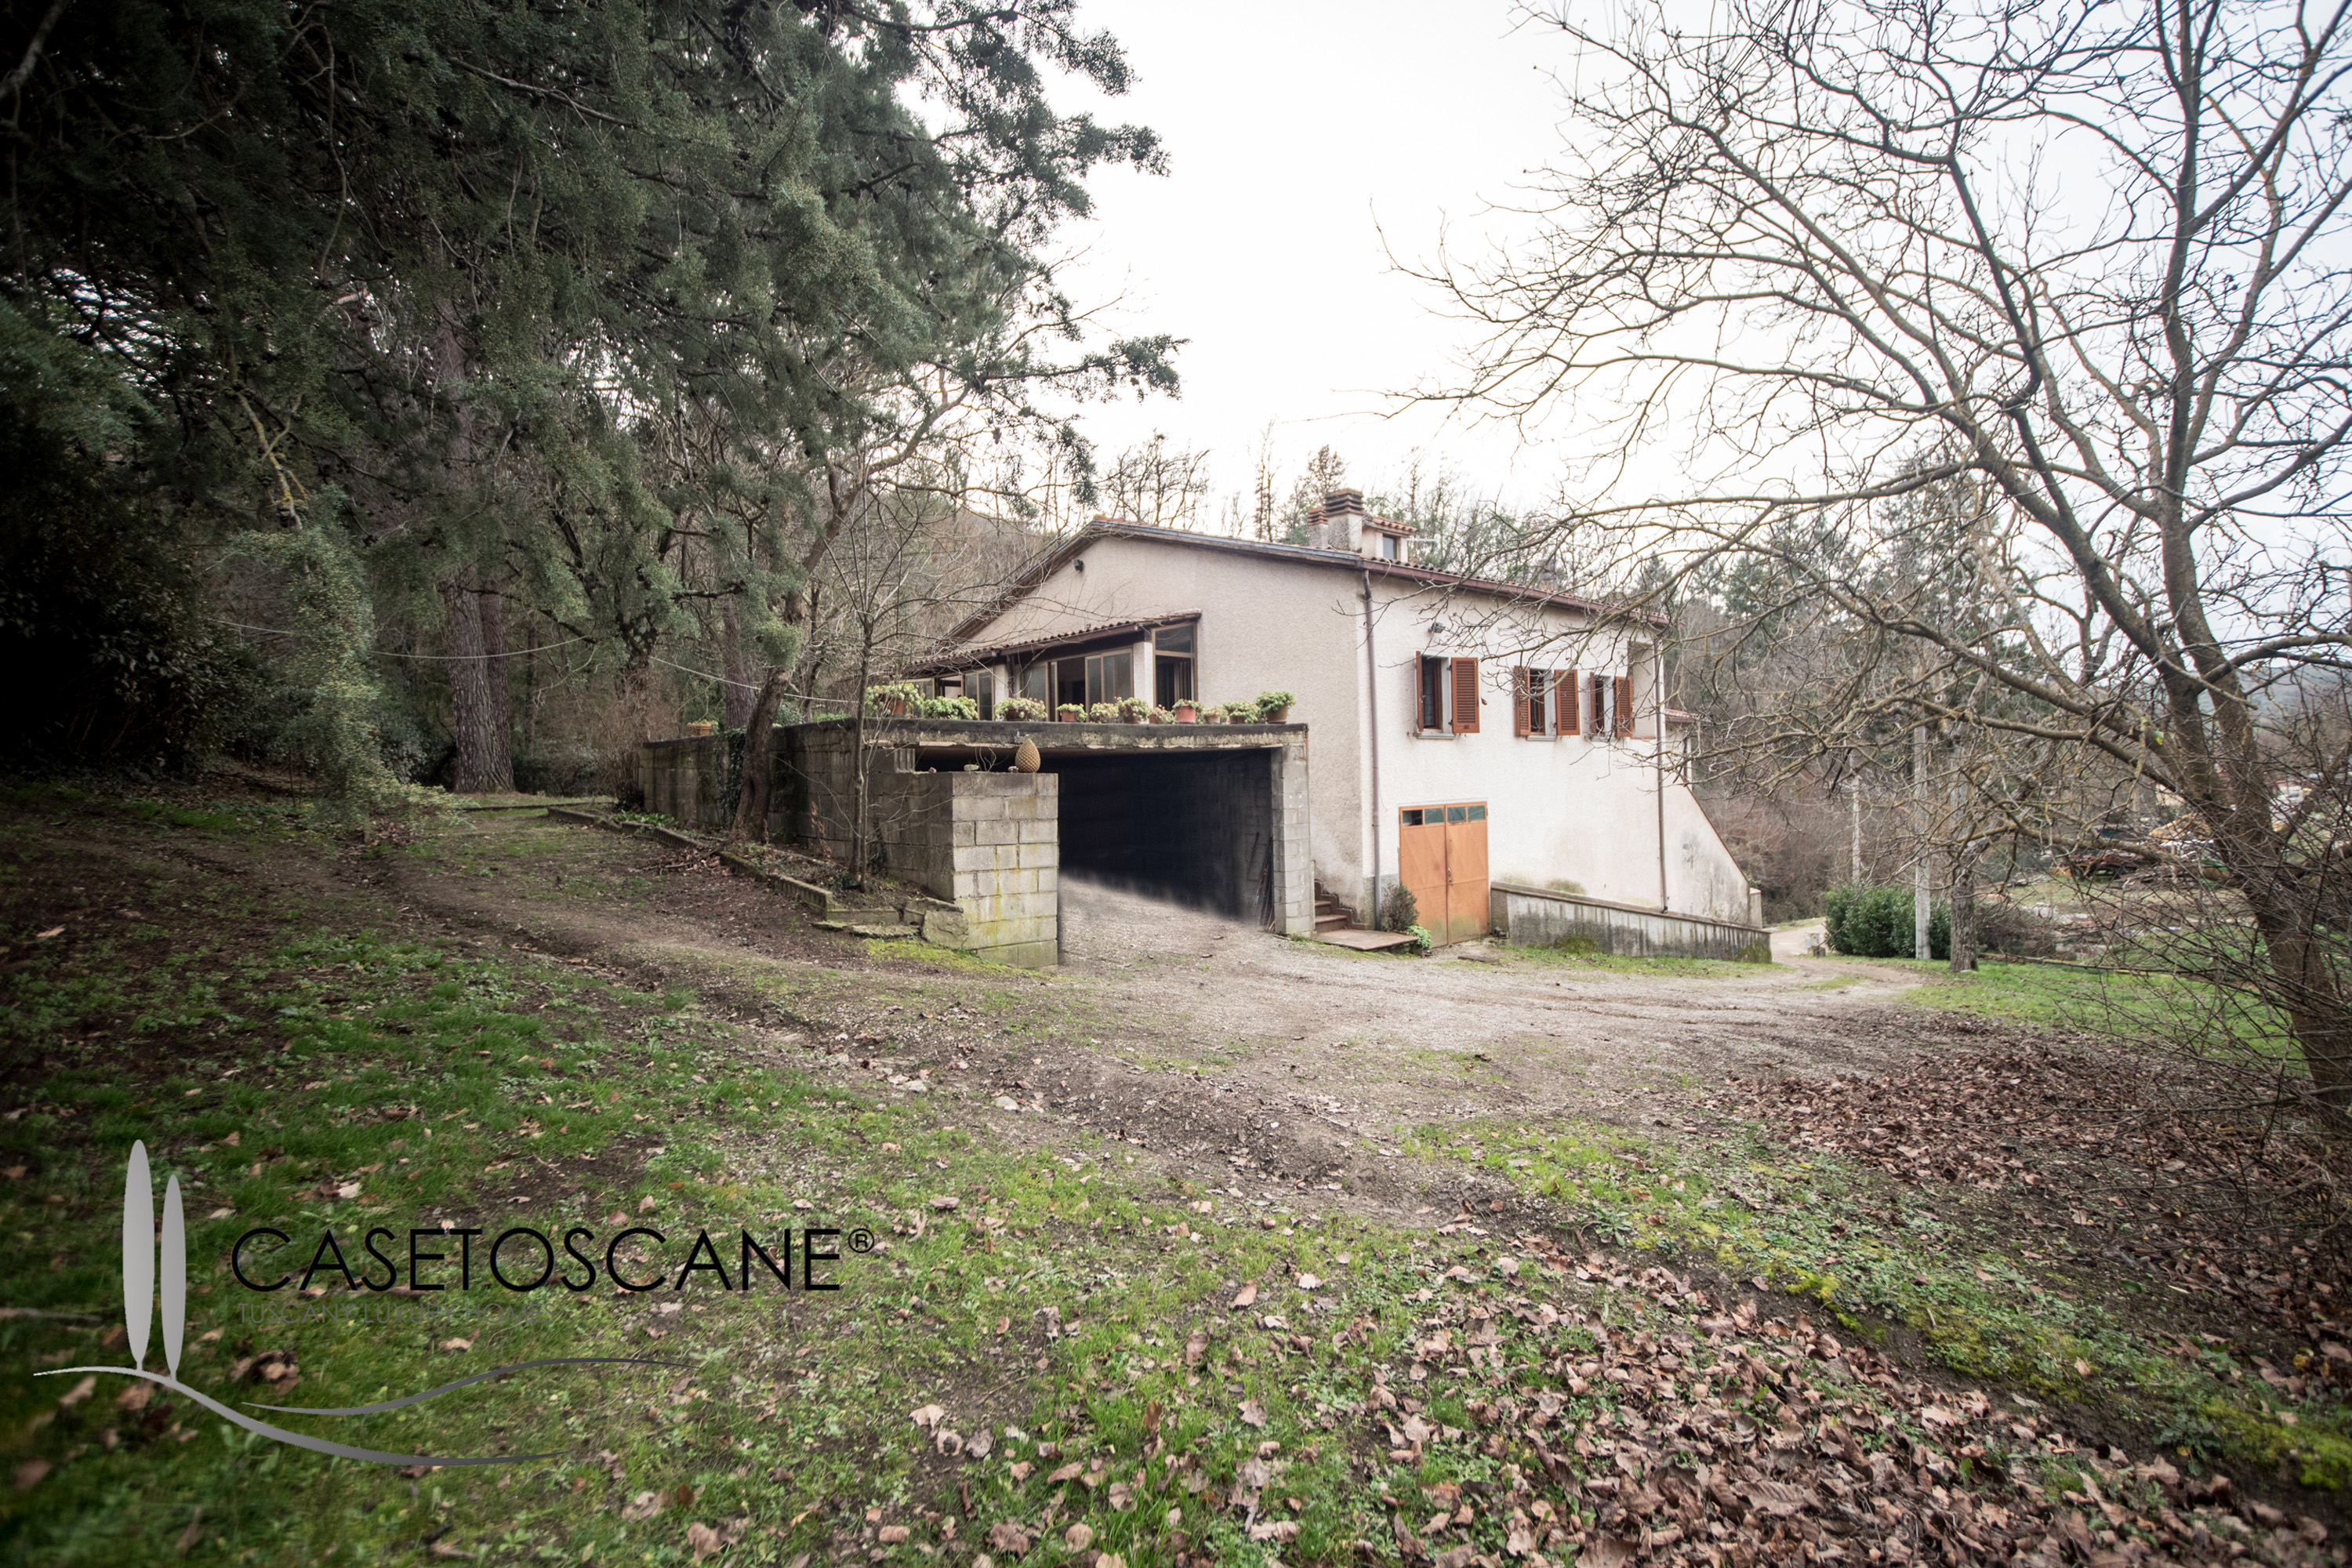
(1538, 917)
(986, 846)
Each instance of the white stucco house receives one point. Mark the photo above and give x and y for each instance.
(1461, 734)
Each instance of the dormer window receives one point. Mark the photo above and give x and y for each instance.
(1388, 546)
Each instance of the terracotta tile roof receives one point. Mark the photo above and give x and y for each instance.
(989, 653)
(1300, 555)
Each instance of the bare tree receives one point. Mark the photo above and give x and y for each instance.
(1158, 485)
(2087, 259)
(912, 566)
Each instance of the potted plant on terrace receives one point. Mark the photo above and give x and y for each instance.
(1133, 709)
(1017, 710)
(893, 698)
(1103, 713)
(1161, 715)
(1070, 712)
(1273, 706)
(1186, 712)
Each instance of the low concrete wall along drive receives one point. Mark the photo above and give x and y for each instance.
(1538, 916)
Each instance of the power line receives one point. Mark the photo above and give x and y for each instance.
(742, 686)
(432, 658)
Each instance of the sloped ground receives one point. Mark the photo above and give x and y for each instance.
(2104, 1171)
(1213, 1247)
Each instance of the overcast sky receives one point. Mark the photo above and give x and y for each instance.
(1296, 134)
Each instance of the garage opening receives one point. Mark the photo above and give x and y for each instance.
(1214, 819)
(1194, 828)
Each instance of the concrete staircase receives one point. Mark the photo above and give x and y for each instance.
(1335, 925)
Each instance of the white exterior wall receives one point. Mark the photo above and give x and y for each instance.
(1581, 807)
(1265, 625)
(1577, 808)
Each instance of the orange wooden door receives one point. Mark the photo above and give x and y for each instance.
(1442, 860)
(1421, 865)
(1466, 873)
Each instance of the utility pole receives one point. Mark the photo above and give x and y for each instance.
(1854, 786)
(1920, 891)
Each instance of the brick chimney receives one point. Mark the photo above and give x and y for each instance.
(1342, 519)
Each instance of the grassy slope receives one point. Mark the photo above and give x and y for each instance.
(1057, 1297)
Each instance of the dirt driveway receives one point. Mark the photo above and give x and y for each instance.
(1364, 1046)
(1227, 1051)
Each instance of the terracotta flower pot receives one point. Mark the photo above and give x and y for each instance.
(1279, 716)
(1187, 714)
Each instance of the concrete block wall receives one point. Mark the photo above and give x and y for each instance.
(1294, 856)
(685, 780)
(986, 843)
(1001, 848)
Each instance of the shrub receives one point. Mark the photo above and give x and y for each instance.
(2005, 928)
(1015, 710)
(1875, 922)
(1422, 941)
(1399, 910)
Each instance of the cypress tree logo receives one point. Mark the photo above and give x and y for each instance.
(145, 1287)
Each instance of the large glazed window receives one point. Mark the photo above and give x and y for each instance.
(1109, 676)
(1171, 665)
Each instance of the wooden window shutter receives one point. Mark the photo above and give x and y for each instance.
(1466, 696)
(1565, 702)
(1625, 695)
(1521, 686)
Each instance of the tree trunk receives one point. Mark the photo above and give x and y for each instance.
(496, 689)
(862, 829)
(737, 667)
(485, 763)
(2306, 984)
(759, 764)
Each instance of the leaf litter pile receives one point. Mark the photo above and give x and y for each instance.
(1544, 1410)
(2097, 1161)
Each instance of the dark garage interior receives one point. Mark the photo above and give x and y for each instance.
(1194, 828)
